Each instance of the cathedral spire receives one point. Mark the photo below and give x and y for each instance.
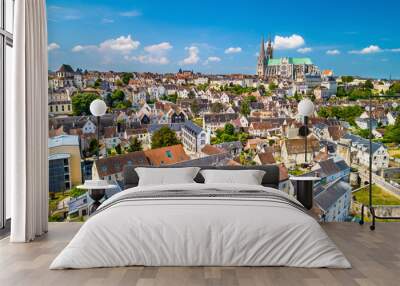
(270, 50)
(262, 60)
(262, 47)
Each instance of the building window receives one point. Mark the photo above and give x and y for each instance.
(6, 45)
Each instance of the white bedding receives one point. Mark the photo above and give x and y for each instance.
(202, 231)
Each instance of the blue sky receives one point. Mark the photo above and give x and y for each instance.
(357, 37)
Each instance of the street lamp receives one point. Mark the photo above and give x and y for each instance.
(305, 109)
(98, 108)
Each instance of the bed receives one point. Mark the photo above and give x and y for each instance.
(198, 224)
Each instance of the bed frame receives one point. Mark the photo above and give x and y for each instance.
(270, 179)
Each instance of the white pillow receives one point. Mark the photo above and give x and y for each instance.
(166, 176)
(248, 177)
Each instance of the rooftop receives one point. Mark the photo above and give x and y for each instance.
(290, 60)
(63, 140)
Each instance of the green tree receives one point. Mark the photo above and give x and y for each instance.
(194, 107)
(164, 137)
(81, 103)
(392, 134)
(368, 84)
(245, 109)
(119, 83)
(347, 79)
(250, 98)
(272, 86)
(135, 144)
(118, 95)
(93, 146)
(126, 77)
(97, 83)
(75, 192)
(395, 87)
(217, 107)
(229, 129)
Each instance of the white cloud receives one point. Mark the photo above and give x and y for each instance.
(304, 50)
(212, 60)
(395, 50)
(148, 59)
(80, 48)
(193, 57)
(158, 48)
(372, 49)
(156, 54)
(333, 52)
(133, 13)
(292, 42)
(233, 50)
(121, 44)
(53, 46)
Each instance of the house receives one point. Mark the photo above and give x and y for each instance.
(193, 137)
(111, 168)
(111, 137)
(234, 148)
(263, 129)
(89, 127)
(64, 162)
(265, 158)
(293, 150)
(256, 144)
(392, 117)
(210, 150)
(60, 103)
(140, 133)
(322, 93)
(330, 170)
(214, 121)
(285, 185)
(334, 200)
(379, 115)
(363, 123)
(166, 155)
(355, 150)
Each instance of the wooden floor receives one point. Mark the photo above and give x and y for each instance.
(375, 257)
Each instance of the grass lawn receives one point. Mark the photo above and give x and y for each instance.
(379, 196)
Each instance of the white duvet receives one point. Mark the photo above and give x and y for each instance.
(206, 231)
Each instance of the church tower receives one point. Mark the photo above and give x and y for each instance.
(262, 60)
(270, 50)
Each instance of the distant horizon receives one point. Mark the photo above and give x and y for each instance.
(224, 37)
(202, 73)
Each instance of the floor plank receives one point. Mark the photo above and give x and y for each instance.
(375, 257)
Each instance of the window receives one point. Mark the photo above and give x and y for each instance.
(6, 44)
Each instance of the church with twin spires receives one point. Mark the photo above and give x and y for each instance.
(287, 68)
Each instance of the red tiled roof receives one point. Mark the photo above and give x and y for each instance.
(266, 158)
(211, 150)
(166, 155)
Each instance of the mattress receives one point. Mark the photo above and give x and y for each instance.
(201, 225)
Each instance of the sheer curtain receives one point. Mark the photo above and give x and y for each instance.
(26, 121)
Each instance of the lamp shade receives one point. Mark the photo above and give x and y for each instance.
(98, 107)
(306, 107)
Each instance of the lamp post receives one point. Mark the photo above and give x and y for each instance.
(98, 108)
(305, 109)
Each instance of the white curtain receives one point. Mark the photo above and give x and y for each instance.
(26, 121)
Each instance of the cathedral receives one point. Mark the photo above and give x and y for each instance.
(286, 68)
